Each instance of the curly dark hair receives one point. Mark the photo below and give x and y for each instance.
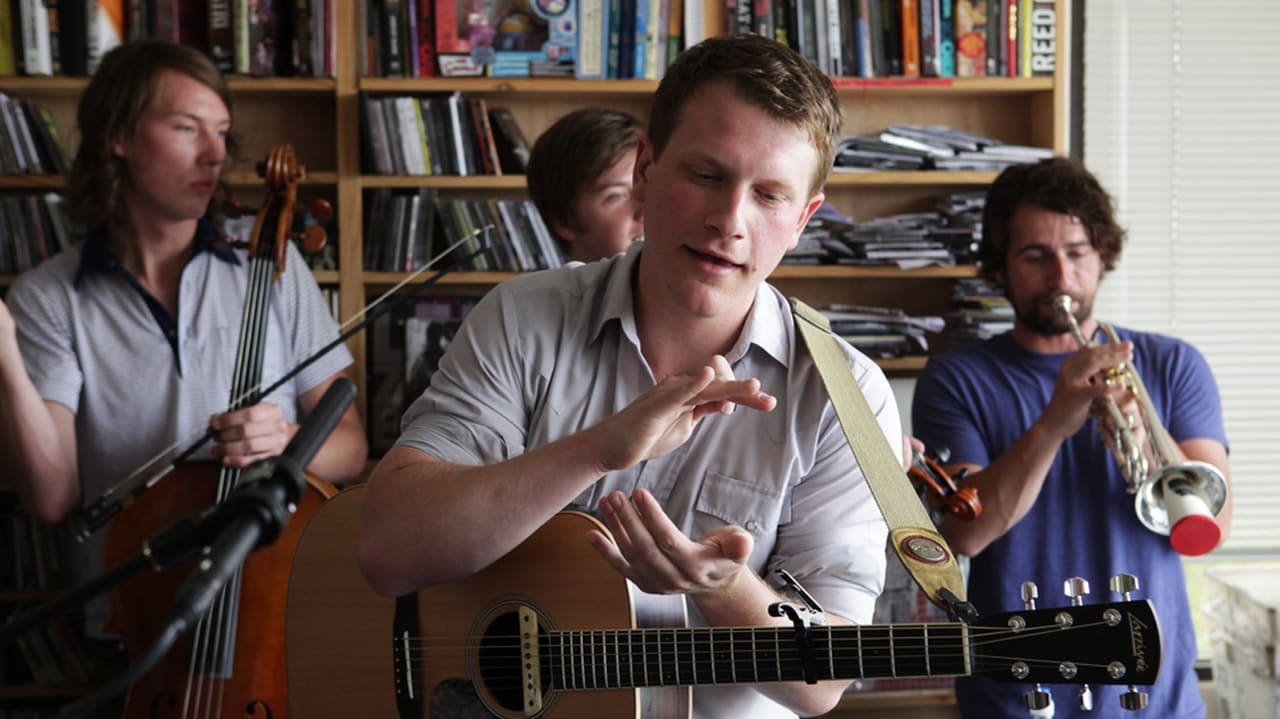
(571, 154)
(1057, 184)
(109, 109)
(763, 72)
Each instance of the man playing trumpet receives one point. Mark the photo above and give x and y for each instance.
(1024, 412)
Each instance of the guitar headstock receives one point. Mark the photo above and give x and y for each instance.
(1107, 643)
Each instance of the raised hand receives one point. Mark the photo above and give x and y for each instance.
(1080, 387)
(664, 417)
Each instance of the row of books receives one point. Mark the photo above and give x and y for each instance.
(407, 228)
(627, 39)
(453, 38)
(883, 331)
(979, 311)
(587, 39)
(909, 38)
(932, 147)
(951, 234)
(439, 134)
(33, 228)
(30, 142)
(248, 37)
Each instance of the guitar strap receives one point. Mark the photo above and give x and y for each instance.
(922, 550)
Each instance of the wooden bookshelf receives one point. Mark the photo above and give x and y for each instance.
(320, 117)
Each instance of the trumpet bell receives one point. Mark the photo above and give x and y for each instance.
(1181, 501)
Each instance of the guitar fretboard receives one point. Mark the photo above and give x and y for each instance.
(611, 659)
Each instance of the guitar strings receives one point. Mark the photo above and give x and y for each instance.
(592, 663)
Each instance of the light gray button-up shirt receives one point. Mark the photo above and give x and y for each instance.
(549, 354)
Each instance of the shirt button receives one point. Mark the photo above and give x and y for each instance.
(752, 526)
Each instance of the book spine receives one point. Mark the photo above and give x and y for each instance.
(971, 38)
(639, 52)
(946, 38)
(36, 53)
(1024, 38)
(1010, 37)
(910, 38)
(835, 40)
(426, 38)
(1044, 34)
(221, 35)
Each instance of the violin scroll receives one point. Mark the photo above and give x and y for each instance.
(943, 493)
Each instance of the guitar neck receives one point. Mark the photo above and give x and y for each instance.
(609, 659)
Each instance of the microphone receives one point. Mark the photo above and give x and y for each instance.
(256, 512)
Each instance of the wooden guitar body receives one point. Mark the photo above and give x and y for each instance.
(350, 669)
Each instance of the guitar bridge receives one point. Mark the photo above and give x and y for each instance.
(531, 662)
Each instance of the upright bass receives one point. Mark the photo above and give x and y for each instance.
(233, 663)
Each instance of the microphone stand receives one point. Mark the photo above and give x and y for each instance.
(224, 535)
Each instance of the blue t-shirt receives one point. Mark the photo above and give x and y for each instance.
(982, 398)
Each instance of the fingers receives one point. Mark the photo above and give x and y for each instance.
(246, 435)
(726, 392)
(655, 554)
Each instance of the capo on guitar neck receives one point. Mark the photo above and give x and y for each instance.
(802, 618)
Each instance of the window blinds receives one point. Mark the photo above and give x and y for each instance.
(1182, 124)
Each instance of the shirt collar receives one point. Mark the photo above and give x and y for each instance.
(767, 325)
(95, 254)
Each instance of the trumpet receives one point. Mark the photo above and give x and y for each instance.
(1178, 499)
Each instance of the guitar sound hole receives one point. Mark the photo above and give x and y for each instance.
(500, 663)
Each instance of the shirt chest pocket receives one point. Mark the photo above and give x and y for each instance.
(757, 508)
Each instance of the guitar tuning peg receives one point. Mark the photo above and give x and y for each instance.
(1039, 703)
(1133, 700)
(1124, 584)
(1030, 592)
(1076, 588)
(1086, 698)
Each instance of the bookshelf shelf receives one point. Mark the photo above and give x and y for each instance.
(939, 179)
(32, 183)
(446, 182)
(60, 85)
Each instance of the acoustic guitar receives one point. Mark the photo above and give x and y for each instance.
(551, 630)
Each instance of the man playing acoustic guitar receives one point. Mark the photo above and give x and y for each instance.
(612, 387)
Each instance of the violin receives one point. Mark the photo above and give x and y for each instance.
(232, 663)
(943, 493)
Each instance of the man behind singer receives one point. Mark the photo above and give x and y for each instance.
(1021, 412)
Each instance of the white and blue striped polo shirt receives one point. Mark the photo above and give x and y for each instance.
(140, 381)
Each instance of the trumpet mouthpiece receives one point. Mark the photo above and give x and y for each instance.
(1064, 303)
